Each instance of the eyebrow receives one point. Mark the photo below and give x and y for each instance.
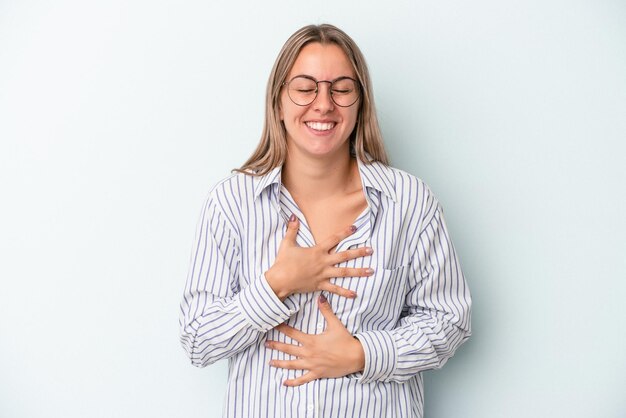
(313, 78)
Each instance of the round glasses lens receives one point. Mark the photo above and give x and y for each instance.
(344, 92)
(302, 90)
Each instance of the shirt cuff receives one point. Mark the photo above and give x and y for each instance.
(261, 307)
(380, 355)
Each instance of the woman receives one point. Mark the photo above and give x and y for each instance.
(325, 276)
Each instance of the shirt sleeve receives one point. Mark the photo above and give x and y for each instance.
(218, 318)
(436, 316)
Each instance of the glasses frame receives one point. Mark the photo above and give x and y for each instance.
(330, 89)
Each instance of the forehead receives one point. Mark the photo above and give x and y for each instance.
(323, 62)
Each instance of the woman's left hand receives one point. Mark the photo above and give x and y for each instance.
(333, 353)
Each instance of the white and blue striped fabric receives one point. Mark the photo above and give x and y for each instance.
(410, 316)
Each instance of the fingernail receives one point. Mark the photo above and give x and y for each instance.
(353, 229)
(369, 271)
(267, 344)
(369, 251)
(323, 299)
(352, 295)
(292, 218)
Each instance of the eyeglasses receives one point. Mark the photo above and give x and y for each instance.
(302, 90)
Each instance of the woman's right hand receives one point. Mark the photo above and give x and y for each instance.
(308, 269)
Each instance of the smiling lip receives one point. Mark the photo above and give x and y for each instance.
(319, 126)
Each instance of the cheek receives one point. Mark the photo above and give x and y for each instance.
(353, 119)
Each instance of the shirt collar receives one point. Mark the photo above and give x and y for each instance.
(378, 176)
(266, 180)
(374, 175)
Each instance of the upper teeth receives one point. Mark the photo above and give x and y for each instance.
(320, 126)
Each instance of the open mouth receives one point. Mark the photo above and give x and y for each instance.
(321, 126)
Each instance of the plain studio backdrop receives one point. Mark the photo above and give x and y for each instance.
(116, 118)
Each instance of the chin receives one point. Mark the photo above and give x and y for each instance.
(319, 147)
(325, 152)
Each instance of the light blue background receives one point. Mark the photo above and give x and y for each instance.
(116, 117)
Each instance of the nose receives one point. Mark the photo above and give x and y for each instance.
(324, 101)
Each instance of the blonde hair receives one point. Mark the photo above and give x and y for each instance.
(366, 139)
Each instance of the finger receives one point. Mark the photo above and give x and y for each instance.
(348, 272)
(305, 378)
(292, 332)
(350, 255)
(292, 229)
(291, 349)
(288, 364)
(335, 239)
(326, 309)
(337, 290)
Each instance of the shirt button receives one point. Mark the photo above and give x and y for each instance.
(310, 408)
(320, 327)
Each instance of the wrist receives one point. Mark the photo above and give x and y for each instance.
(276, 284)
(359, 355)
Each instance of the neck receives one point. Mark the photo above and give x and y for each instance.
(324, 177)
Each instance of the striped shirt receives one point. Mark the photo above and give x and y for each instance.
(410, 316)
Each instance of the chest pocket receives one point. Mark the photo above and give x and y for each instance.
(379, 302)
(390, 282)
